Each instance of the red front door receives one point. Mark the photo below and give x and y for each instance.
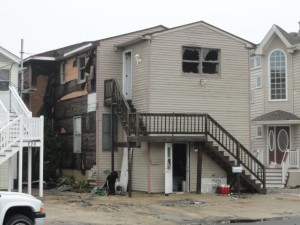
(278, 143)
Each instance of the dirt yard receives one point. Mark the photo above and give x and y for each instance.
(188, 208)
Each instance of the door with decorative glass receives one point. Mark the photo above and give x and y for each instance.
(278, 143)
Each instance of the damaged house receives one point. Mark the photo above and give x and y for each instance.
(61, 84)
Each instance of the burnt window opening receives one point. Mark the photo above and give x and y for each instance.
(81, 68)
(200, 61)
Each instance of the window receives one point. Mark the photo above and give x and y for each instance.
(200, 61)
(258, 81)
(4, 80)
(81, 68)
(259, 132)
(277, 71)
(106, 131)
(255, 62)
(252, 97)
(77, 134)
(62, 72)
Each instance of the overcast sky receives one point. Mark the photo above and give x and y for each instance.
(49, 24)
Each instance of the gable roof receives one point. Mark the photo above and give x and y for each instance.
(67, 51)
(186, 26)
(277, 117)
(289, 39)
(9, 55)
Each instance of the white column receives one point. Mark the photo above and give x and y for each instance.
(29, 170)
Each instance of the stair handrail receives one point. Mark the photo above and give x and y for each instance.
(285, 165)
(4, 114)
(230, 144)
(17, 103)
(11, 133)
(113, 93)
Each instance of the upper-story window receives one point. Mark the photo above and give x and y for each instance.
(200, 61)
(4, 80)
(62, 72)
(277, 75)
(81, 68)
(255, 62)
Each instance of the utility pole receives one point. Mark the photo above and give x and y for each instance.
(22, 69)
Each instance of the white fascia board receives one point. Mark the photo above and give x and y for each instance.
(78, 49)
(43, 58)
(272, 32)
(9, 55)
(276, 122)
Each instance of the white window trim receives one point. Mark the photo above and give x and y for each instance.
(75, 149)
(259, 134)
(256, 83)
(286, 77)
(254, 58)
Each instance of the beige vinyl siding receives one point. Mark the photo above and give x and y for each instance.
(286, 105)
(225, 98)
(209, 169)
(109, 66)
(139, 76)
(157, 167)
(296, 83)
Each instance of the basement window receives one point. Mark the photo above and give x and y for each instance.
(202, 61)
(81, 68)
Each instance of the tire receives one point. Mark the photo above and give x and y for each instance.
(19, 219)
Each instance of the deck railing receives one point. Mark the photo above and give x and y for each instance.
(17, 105)
(145, 124)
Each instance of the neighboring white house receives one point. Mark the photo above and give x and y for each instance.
(19, 131)
(9, 64)
(275, 105)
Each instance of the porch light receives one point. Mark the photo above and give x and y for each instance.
(138, 58)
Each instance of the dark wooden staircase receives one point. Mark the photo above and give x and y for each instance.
(229, 151)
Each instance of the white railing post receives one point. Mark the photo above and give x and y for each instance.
(285, 165)
(41, 177)
(20, 177)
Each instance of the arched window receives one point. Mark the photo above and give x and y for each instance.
(277, 70)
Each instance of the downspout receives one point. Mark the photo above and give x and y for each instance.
(97, 119)
(149, 168)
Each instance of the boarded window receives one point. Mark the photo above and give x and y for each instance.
(200, 60)
(4, 80)
(77, 134)
(106, 131)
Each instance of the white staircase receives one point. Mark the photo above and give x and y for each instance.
(18, 129)
(274, 178)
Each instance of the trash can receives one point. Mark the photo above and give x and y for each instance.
(110, 181)
(223, 189)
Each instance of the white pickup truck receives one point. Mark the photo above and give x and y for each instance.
(20, 209)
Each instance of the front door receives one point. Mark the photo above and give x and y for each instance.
(278, 143)
(168, 168)
(127, 75)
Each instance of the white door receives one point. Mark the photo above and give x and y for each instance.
(127, 75)
(168, 168)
